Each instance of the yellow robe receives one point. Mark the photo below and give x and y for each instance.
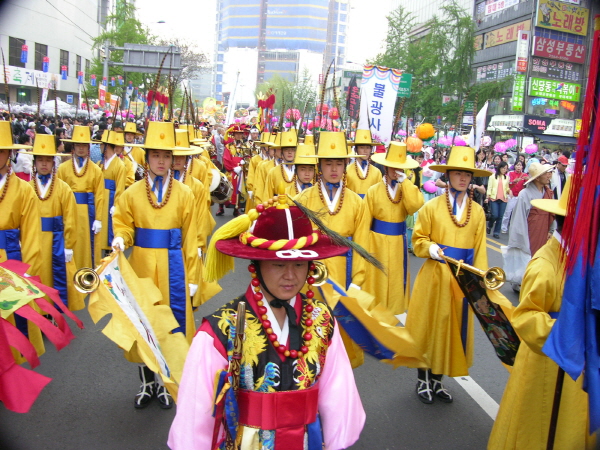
(523, 420)
(279, 175)
(129, 171)
(135, 211)
(294, 189)
(61, 203)
(136, 155)
(20, 210)
(436, 308)
(91, 182)
(261, 191)
(204, 224)
(118, 173)
(252, 166)
(358, 185)
(346, 222)
(391, 289)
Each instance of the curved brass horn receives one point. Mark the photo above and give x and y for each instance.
(494, 278)
(86, 280)
(321, 273)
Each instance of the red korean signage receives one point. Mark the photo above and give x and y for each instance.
(562, 51)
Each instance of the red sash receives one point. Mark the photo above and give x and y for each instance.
(286, 412)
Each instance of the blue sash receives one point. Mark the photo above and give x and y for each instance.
(55, 226)
(170, 240)
(554, 314)
(393, 229)
(82, 198)
(348, 257)
(361, 195)
(112, 187)
(467, 255)
(10, 243)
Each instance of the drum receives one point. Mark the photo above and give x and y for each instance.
(221, 189)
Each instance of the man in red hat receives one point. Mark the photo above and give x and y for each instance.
(233, 162)
(295, 380)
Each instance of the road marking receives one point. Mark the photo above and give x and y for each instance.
(477, 393)
(494, 248)
(495, 242)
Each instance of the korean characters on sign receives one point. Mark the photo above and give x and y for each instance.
(562, 51)
(559, 90)
(560, 16)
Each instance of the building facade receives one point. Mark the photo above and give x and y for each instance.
(47, 45)
(542, 48)
(259, 39)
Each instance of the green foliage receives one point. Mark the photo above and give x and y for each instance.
(291, 95)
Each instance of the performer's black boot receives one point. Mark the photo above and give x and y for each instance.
(424, 386)
(146, 393)
(221, 210)
(236, 212)
(164, 398)
(439, 390)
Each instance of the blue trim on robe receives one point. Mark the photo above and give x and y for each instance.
(361, 195)
(467, 255)
(393, 229)
(111, 185)
(348, 257)
(171, 240)
(315, 434)
(356, 330)
(82, 198)
(55, 225)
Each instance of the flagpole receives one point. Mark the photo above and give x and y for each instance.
(555, 407)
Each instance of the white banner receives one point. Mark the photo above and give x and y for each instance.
(29, 77)
(475, 141)
(378, 93)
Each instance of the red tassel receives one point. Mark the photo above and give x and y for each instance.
(150, 97)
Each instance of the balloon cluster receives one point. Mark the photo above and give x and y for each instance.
(500, 147)
(511, 145)
(531, 149)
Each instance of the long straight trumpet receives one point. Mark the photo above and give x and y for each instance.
(86, 279)
(493, 278)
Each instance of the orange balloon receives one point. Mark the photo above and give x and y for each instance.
(425, 131)
(414, 144)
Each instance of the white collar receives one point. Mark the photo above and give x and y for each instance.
(155, 188)
(358, 162)
(459, 208)
(79, 168)
(108, 161)
(3, 180)
(44, 189)
(290, 169)
(558, 237)
(391, 190)
(331, 203)
(282, 333)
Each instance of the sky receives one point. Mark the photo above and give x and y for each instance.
(194, 21)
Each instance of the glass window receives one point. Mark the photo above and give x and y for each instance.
(344, 6)
(341, 39)
(64, 60)
(343, 17)
(14, 52)
(87, 69)
(77, 65)
(41, 50)
(342, 28)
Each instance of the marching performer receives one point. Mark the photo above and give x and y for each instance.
(132, 150)
(387, 205)
(58, 212)
(296, 386)
(524, 417)
(233, 160)
(115, 176)
(20, 227)
(439, 318)
(259, 180)
(286, 142)
(87, 183)
(362, 174)
(157, 217)
(343, 208)
(262, 155)
(304, 177)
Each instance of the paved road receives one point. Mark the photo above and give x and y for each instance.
(89, 403)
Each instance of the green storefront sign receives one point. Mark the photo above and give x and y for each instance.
(560, 90)
(405, 84)
(518, 92)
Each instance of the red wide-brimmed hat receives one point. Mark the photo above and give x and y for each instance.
(279, 232)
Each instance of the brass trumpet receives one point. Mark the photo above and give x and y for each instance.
(493, 278)
(321, 273)
(86, 280)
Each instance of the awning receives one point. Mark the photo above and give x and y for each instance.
(550, 139)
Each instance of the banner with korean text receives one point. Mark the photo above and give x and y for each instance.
(560, 16)
(378, 93)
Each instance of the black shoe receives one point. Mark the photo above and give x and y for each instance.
(236, 212)
(497, 236)
(144, 396)
(221, 211)
(164, 398)
(440, 391)
(424, 391)
(489, 230)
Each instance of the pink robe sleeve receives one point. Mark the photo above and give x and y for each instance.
(193, 425)
(342, 413)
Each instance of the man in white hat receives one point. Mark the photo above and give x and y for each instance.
(530, 227)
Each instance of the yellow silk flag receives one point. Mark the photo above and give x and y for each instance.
(140, 325)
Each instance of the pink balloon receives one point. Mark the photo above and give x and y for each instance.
(430, 186)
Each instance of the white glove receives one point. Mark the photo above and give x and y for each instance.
(112, 210)
(434, 252)
(118, 244)
(401, 176)
(68, 255)
(200, 253)
(193, 289)
(26, 275)
(96, 226)
(250, 194)
(352, 285)
(243, 161)
(237, 169)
